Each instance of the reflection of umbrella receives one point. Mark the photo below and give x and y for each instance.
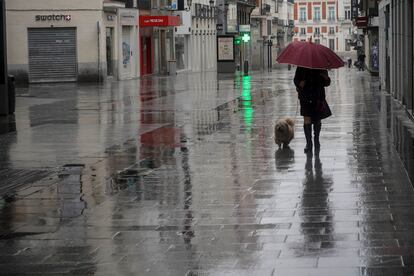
(310, 55)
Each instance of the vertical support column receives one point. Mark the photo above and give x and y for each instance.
(404, 51)
(392, 48)
(409, 53)
(4, 101)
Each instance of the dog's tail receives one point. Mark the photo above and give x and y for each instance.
(290, 121)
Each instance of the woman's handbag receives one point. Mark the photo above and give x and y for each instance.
(322, 110)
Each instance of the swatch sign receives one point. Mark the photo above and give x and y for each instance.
(54, 17)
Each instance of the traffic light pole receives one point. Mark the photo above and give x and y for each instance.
(4, 101)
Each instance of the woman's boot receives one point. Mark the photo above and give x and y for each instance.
(307, 128)
(316, 131)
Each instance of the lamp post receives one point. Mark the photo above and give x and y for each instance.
(189, 3)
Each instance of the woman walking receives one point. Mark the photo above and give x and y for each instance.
(310, 85)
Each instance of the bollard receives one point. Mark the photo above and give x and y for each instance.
(11, 87)
(246, 67)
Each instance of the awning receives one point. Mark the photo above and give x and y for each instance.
(159, 21)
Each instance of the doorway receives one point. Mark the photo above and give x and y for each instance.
(109, 51)
(146, 55)
(126, 70)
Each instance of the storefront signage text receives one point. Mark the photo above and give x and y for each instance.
(154, 21)
(54, 17)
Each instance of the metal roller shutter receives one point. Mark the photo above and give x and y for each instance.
(52, 54)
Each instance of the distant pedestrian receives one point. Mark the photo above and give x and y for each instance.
(361, 62)
(349, 60)
(310, 85)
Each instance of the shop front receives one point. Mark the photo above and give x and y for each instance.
(71, 45)
(128, 44)
(157, 42)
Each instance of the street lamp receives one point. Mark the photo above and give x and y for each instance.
(211, 2)
(189, 2)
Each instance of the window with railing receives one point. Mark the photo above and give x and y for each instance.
(331, 13)
(317, 14)
(331, 30)
(317, 31)
(302, 14)
(302, 31)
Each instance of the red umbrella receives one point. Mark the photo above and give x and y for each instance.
(310, 55)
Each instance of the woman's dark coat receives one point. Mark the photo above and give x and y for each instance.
(312, 95)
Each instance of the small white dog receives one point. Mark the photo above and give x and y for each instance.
(284, 131)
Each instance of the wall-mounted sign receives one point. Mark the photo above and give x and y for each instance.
(244, 28)
(158, 21)
(54, 17)
(128, 19)
(361, 22)
(225, 48)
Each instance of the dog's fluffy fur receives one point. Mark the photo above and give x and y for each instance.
(284, 131)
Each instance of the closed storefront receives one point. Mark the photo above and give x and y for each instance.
(68, 44)
(52, 54)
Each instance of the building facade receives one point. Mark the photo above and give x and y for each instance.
(203, 49)
(234, 20)
(272, 29)
(396, 40)
(325, 22)
(69, 43)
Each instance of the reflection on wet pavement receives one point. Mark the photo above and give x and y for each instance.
(180, 176)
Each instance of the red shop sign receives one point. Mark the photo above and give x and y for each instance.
(361, 22)
(159, 21)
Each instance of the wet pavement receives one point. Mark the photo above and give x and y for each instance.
(181, 176)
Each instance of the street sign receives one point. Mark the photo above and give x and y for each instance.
(244, 28)
(219, 27)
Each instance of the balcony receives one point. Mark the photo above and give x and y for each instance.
(316, 20)
(331, 19)
(316, 34)
(302, 20)
(144, 4)
(280, 34)
(265, 9)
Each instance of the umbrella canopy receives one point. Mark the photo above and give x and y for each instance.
(310, 55)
